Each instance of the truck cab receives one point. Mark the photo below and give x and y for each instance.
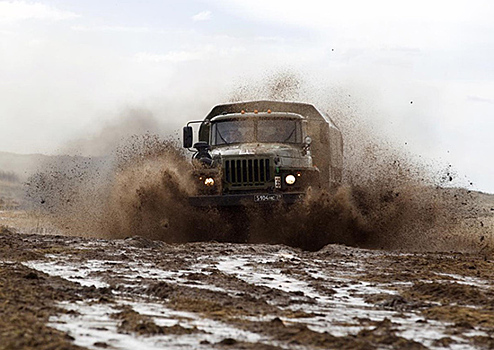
(253, 154)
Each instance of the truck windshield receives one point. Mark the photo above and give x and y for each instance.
(257, 130)
(279, 130)
(234, 131)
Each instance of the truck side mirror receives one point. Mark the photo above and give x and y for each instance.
(187, 136)
(306, 146)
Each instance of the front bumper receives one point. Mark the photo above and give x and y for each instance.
(244, 199)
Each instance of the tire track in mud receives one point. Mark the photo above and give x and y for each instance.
(147, 293)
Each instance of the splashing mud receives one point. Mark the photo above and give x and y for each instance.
(141, 189)
(387, 200)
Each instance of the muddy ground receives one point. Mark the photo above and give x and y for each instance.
(68, 292)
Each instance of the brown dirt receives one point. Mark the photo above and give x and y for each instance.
(133, 322)
(416, 284)
(27, 300)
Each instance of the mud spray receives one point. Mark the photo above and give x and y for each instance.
(386, 201)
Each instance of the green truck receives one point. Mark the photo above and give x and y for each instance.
(263, 152)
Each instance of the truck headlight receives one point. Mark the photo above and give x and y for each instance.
(290, 179)
(209, 181)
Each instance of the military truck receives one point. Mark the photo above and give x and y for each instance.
(263, 152)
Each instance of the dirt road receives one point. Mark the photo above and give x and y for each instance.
(59, 292)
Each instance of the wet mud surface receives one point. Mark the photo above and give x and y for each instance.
(61, 292)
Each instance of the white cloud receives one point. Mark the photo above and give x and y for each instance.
(316, 13)
(118, 29)
(11, 11)
(270, 39)
(202, 16)
(201, 53)
(6, 32)
(172, 56)
(479, 99)
(377, 23)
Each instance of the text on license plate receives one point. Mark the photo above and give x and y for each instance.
(267, 197)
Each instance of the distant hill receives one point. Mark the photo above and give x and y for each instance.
(22, 165)
(15, 169)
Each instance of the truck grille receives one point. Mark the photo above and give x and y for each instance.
(247, 172)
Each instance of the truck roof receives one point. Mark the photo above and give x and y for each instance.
(267, 115)
(304, 109)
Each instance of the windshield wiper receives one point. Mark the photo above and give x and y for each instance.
(289, 136)
(221, 136)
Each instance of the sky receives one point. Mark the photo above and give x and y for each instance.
(420, 72)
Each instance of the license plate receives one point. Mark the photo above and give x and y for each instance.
(267, 197)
